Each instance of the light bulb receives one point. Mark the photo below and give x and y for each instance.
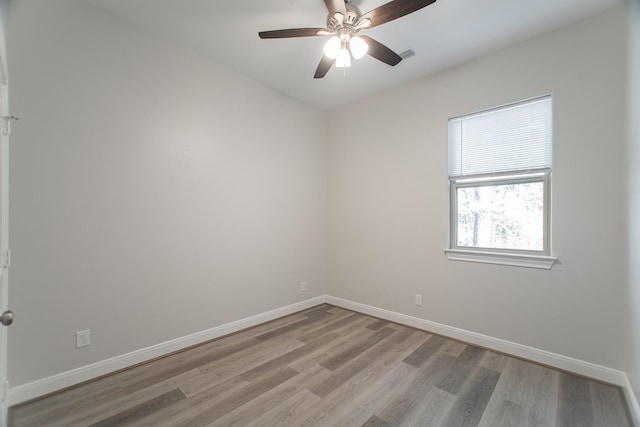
(344, 58)
(332, 47)
(358, 47)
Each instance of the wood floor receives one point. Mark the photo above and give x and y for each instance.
(332, 367)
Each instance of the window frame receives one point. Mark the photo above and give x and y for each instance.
(513, 257)
(542, 176)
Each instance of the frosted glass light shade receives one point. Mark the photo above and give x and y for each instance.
(358, 47)
(332, 47)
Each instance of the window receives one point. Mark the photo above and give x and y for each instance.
(499, 181)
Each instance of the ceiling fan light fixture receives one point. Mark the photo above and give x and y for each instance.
(358, 47)
(344, 58)
(344, 21)
(332, 47)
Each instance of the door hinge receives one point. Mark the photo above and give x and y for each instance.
(6, 124)
(6, 259)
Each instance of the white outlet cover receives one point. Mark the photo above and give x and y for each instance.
(83, 338)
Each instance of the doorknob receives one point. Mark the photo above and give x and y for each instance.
(7, 318)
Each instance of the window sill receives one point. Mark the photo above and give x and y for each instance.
(516, 260)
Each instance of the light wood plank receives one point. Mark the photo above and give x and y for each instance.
(354, 401)
(329, 327)
(400, 407)
(307, 361)
(270, 399)
(494, 361)
(355, 348)
(377, 324)
(374, 421)
(574, 402)
(468, 408)
(462, 368)
(284, 413)
(502, 413)
(137, 412)
(226, 368)
(608, 405)
(178, 414)
(418, 357)
(240, 398)
(77, 415)
(530, 386)
(431, 410)
(453, 348)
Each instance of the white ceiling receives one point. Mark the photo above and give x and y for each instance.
(444, 34)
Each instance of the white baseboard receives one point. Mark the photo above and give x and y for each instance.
(51, 384)
(632, 400)
(32, 390)
(580, 367)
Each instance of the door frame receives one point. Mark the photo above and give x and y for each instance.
(4, 215)
(4, 249)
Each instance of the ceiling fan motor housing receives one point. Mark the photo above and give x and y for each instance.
(344, 24)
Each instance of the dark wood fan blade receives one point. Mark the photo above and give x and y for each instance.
(393, 10)
(323, 67)
(381, 52)
(292, 32)
(334, 6)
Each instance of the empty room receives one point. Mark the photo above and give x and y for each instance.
(327, 213)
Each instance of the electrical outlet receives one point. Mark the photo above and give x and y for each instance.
(419, 299)
(303, 286)
(83, 338)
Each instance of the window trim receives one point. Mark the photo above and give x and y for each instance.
(512, 257)
(515, 260)
(465, 177)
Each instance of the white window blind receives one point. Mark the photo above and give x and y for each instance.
(512, 138)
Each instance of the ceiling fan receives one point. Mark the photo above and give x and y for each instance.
(344, 23)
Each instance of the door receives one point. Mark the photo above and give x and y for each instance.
(6, 316)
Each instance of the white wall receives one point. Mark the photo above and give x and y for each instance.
(633, 167)
(388, 197)
(154, 194)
